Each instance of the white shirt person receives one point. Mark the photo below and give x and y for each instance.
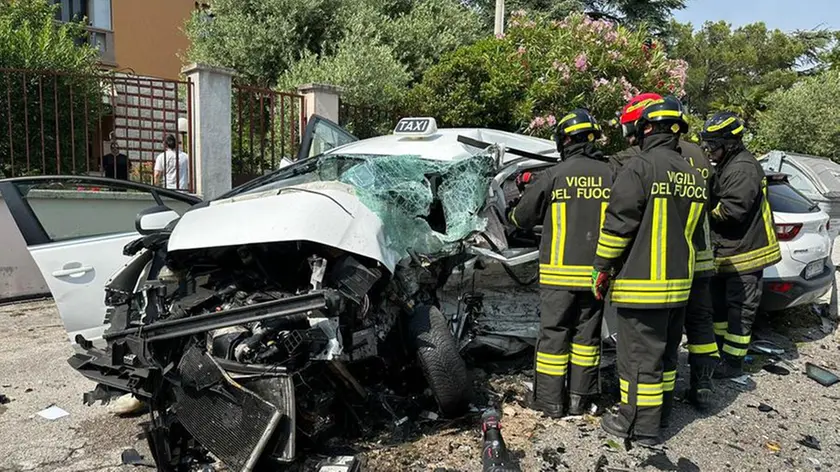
(175, 165)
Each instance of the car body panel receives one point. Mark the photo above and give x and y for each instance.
(327, 213)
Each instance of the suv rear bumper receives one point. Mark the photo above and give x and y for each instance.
(778, 296)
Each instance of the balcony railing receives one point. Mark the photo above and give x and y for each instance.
(103, 40)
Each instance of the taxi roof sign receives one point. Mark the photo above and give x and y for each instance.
(416, 127)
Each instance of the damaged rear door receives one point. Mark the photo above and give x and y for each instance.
(75, 228)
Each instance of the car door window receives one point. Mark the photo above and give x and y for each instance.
(321, 135)
(69, 210)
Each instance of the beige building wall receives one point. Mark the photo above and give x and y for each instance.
(149, 35)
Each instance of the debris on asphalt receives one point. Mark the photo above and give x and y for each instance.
(824, 377)
(773, 446)
(429, 415)
(53, 413)
(4, 399)
(762, 407)
(339, 464)
(132, 457)
(776, 369)
(810, 441)
(766, 347)
(401, 421)
(742, 380)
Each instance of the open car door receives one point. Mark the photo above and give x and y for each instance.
(75, 228)
(321, 135)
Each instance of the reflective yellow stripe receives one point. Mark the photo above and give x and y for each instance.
(586, 361)
(585, 350)
(668, 113)
(702, 348)
(573, 271)
(567, 118)
(767, 215)
(719, 127)
(747, 256)
(554, 230)
(513, 217)
(652, 285)
(669, 375)
(649, 400)
(771, 256)
(705, 255)
(694, 214)
(623, 385)
(583, 282)
(554, 371)
(650, 298)
(613, 241)
(669, 386)
(624, 398)
(737, 338)
(658, 239)
(721, 327)
(604, 206)
(738, 130)
(704, 266)
(608, 252)
(555, 359)
(578, 127)
(734, 351)
(649, 389)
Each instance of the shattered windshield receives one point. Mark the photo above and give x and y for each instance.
(425, 206)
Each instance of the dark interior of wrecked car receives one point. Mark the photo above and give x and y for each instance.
(250, 354)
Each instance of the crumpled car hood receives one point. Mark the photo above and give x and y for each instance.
(327, 213)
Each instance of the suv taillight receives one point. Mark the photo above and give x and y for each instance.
(787, 231)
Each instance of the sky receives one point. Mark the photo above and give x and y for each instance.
(787, 15)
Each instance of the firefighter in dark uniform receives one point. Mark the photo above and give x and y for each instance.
(646, 245)
(743, 236)
(569, 201)
(703, 353)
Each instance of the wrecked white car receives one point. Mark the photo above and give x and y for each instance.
(252, 324)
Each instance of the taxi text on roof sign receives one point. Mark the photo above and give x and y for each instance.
(416, 127)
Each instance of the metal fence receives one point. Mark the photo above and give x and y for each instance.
(267, 126)
(59, 123)
(367, 121)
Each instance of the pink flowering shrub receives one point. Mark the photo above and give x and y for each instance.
(539, 69)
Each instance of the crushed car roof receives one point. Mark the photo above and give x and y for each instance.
(443, 144)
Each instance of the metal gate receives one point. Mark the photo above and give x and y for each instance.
(59, 123)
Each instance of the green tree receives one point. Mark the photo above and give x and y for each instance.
(737, 69)
(542, 68)
(32, 39)
(804, 118)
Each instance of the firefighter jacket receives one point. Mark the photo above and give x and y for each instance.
(743, 231)
(704, 265)
(570, 201)
(647, 239)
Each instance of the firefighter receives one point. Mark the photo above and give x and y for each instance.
(703, 353)
(646, 246)
(743, 235)
(569, 201)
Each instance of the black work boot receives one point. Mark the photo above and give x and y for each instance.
(612, 424)
(552, 410)
(578, 404)
(701, 391)
(729, 368)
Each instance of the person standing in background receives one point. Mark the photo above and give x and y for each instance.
(172, 166)
(116, 164)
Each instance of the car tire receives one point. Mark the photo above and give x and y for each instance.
(442, 365)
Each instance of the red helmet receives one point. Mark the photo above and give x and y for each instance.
(633, 110)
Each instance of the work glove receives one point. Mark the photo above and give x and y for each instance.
(523, 179)
(600, 284)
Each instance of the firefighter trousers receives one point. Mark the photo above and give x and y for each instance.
(736, 298)
(568, 346)
(699, 328)
(648, 343)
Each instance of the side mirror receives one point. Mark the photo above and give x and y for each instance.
(154, 219)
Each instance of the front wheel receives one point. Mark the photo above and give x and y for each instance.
(442, 365)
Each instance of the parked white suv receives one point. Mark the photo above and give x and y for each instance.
(805, 271)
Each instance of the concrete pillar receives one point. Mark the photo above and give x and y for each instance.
(321, 99)
(211, 128)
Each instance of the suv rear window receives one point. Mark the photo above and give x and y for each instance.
(786, 199)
